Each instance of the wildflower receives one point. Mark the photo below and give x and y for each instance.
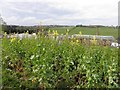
(72, 42)
(68, 30)
(72, 36)
(5, 34)
(66, 33)
(43, 49)
(55, 33)
(27, 32)
(42, 30)
(13, 39)
(49, 32)
(19, 40)
(33, 80)
(77, 41)
(38, 33)
(94, 40)
(80, 33)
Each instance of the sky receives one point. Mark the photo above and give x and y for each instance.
(60, 12)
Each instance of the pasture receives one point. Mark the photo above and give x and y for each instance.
(105, 31)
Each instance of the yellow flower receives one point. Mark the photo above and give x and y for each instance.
(72, 42)
(33, 80)
(49, 32)
(55, 33)
(38, 33)
(68, 30)
(94, 37)
(77, 41)
(27, 32)
(80, 33)
(66, 33)
(94, 41)
(12, 39)
(5, 34)
(19, 41)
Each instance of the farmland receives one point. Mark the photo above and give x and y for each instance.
(59, 45)
(105, 31)
(49, 63)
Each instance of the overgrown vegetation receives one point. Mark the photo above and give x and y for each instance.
(46, 63)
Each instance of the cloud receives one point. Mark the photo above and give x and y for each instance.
(29, 12)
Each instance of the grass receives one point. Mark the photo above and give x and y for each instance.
(105, 31)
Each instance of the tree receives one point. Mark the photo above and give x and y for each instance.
(2, 22)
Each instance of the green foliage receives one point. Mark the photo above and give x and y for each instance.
(46, 63)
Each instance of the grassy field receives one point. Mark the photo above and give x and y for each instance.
(107, 31)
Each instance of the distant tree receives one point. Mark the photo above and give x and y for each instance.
(2, 22)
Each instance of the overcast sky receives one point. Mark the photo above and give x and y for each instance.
(68, 12)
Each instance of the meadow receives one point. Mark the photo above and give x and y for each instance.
(44, 62)
(104, 31)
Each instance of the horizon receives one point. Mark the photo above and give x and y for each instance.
(65, 25)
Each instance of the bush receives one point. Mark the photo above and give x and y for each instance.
(46, 63)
